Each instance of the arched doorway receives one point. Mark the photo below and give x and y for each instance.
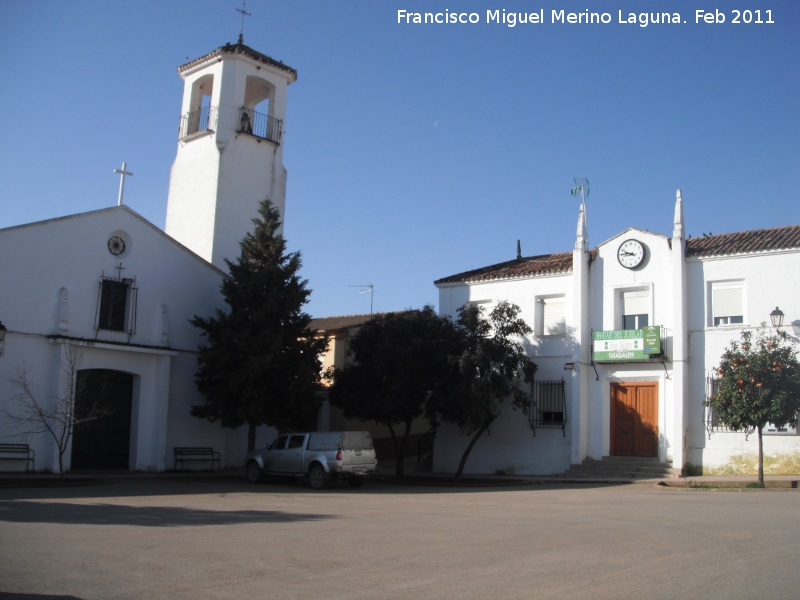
(105, 442)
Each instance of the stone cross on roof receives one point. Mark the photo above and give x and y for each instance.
(122, 173)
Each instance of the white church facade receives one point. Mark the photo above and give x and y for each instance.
(116, 291)
(626, 337)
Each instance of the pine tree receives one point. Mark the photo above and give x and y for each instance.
(261, 363)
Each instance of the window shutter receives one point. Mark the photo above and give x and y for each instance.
(728, 302)
(636, 303)
(553, 319)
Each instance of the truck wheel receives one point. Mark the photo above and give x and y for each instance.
(253, 472)
(316, 477)
(355, 482)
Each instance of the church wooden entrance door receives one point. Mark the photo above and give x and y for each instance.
(634, 419)
(105, 442)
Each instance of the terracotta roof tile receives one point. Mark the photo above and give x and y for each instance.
(240, 49)
(343, 322)
(544, 264)
(757, 240)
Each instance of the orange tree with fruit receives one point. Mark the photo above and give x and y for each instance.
(759, 383)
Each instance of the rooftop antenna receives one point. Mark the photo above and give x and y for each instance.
(370, 289)
(241, 28)
(122, 173)
(581, 188)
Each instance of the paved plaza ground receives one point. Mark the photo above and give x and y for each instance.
(221, 538)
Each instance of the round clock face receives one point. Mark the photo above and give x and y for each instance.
(116, 245)
(630, 254)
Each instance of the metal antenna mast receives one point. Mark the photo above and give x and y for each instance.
(581, 188)
(241, 28)
(370, 290)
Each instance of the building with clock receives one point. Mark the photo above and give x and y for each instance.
(110, 295)
(626, 336)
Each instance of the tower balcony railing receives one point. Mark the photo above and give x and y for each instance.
(202, 119)
(260, 125)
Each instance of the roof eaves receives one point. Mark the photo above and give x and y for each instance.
(239, 49)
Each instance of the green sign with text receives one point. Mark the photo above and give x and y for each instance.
(629, 344)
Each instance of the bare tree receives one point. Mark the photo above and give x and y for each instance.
(34, 414)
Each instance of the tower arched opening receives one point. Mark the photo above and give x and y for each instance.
(202, 114)
(256, 114)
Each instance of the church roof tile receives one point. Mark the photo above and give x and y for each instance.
(240, 49)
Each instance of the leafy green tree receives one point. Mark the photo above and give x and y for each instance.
(759, 383)
(261, 364)
(397, 361)
(486, 372)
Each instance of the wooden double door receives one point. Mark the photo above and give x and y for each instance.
(634, 419)
(105, 442)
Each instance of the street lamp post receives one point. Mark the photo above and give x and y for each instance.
(776, 316)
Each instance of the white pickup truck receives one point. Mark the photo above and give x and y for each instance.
(322, 456)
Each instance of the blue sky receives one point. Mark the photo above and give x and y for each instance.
(418, 151)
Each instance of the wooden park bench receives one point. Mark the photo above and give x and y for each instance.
(18, 452)
(183, 453)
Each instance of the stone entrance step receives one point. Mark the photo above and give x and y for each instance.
(623, 467)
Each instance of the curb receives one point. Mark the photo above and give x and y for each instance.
(18, 482)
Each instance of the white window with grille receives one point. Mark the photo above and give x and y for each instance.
(727, 303)
(552, 315)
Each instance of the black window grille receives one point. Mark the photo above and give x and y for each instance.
(116, 305)
(548, 406)
(712, 422)
(202, 119)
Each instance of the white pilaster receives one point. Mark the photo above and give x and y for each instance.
(578, 415)
(677, 436)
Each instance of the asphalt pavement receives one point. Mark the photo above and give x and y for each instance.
(219, 537)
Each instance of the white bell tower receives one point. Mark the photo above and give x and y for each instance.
(230, 152)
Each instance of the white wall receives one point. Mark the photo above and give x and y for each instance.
(510, 445)
(770, 280)
(72, 253)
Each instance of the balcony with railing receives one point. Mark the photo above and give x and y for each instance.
(202, 120)
(260, 125)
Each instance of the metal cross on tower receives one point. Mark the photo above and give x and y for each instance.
(241, 28)
(122, 173)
